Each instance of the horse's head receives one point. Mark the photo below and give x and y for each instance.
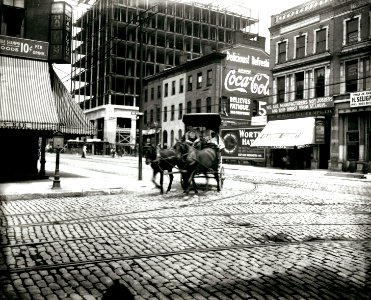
(149, 153)
(181, 149)
(185, 152)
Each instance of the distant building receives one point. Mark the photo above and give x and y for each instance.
(107, 57)
(319, 113)
(34, 103)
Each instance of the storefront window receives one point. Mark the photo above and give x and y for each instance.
(353, 137)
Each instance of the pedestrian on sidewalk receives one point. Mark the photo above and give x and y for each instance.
(83, 151)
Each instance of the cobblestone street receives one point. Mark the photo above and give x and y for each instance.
(261, 237)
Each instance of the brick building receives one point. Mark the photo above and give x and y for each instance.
(192, 87)
(320, 60)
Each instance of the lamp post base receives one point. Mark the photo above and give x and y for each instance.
(56, 184)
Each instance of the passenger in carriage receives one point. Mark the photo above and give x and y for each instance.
(192, 137)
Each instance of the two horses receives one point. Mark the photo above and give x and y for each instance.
(204, 161)
(189, 160)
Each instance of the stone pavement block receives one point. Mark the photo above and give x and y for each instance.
(76, 297)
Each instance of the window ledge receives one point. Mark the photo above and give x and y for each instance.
(354, 47)
(308, 59)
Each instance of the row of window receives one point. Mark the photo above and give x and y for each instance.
(351, 35)
(313, 83)
(199, 84)
(283, 84)
(198, 109)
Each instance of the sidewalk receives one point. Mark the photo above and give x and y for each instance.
(75, 181)
(80, 182)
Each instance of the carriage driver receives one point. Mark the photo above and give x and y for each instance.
(192, 137)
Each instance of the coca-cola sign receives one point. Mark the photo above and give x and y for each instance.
(256, 84)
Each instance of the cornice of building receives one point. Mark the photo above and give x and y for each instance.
(192, 64)
(300, 11)
(312, 7)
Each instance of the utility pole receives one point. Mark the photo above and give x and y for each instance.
(141, 119)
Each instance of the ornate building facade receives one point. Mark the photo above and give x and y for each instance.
(320, 61)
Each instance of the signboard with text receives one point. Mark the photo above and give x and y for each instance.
(23, 47)
(300, 105)
(360, 99)
(246, 78)
(60, 32)
(319, 131)
(237, 143)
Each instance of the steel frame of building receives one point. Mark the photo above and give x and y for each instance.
(106, 59)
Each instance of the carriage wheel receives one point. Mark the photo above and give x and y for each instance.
(221, 177)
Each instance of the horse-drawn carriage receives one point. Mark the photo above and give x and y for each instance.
(204, 160)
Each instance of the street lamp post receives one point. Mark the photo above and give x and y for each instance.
(155, 125)
(58, 142)
(141, 120)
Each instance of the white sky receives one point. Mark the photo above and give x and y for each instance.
(265, 9)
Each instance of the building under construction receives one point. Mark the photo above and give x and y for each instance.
(115, 36)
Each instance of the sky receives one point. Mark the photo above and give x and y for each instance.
(261, 9)
(266, 8)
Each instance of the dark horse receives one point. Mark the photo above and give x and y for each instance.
(197, 161)
(161, 160)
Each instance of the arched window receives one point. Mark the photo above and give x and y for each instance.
(164, 138)
(180, 134)
(172, 138)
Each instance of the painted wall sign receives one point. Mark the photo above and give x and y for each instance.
(245, 82)
(23, 47)
(237, 143)
(299, 105)
(360, 99)
(246, 77)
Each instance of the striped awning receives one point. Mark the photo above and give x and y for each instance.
(33, 97)
(72, 120)
(26, 98)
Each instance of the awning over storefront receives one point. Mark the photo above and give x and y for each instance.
(287, 133)
(30, 100)
(72, 120)
(26, 98)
